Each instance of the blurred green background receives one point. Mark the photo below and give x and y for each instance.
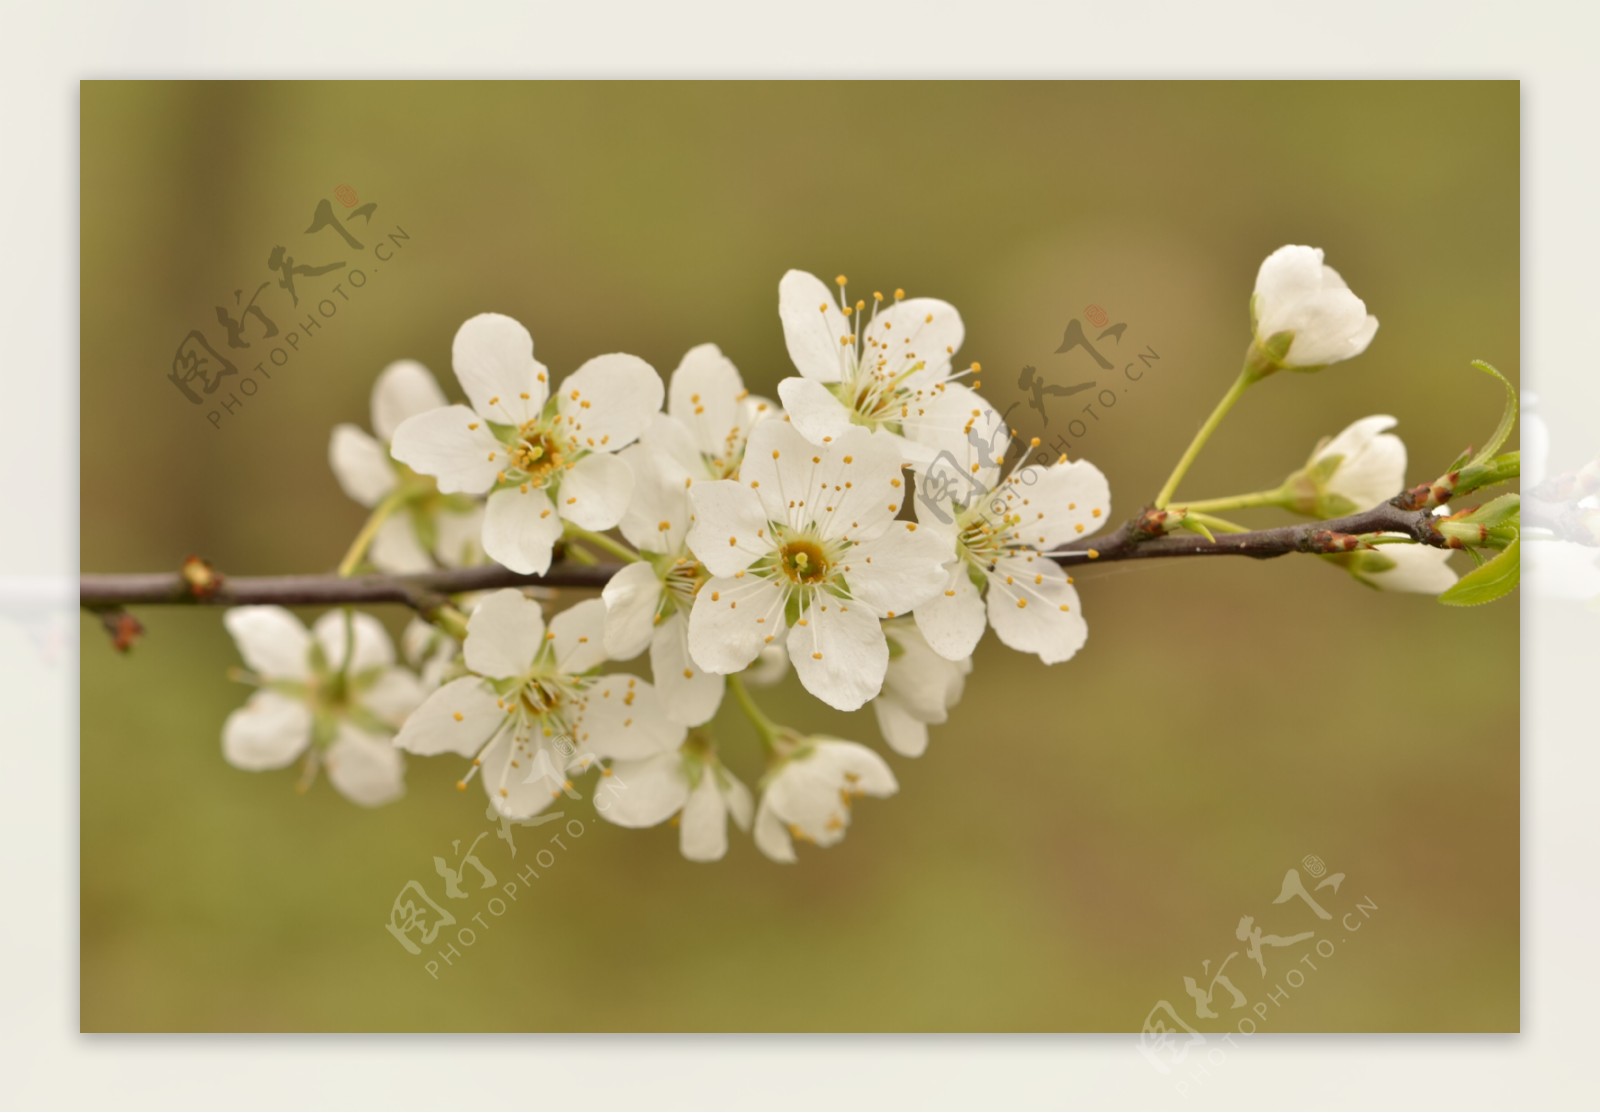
(1077, 839)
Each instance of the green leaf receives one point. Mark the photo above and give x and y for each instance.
(1508, 418)
(1486, 584)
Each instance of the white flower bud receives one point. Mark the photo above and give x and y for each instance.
(1305, 316)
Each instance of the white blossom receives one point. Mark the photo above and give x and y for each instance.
(429, 526)
(1415, 568)
(809, 797)
(805, 543)
(876, 369)
(1423, 569)
(701, 438)
(430, 652)
(1302, 299)
(689, 783)
(1002, 532)
(333, 691)
(540, 461)
(1360, 468)
(531, 709)
(919, 690)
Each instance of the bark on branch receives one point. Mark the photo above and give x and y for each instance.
(1137, 539)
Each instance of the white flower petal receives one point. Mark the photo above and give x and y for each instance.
(632, 597)
(421, 641)
(924, 683)
(365, 768)
(966, 438)
(658, 514)
(368, 640)
(578, 637)
(594, 492)
(707, 396)
(771, 665)
(730, 526)
(923, 331)
(393, 694)
(741, 808)
(667, 436)
(815, 331)
(1034, 610)
(522, 777)
(1296, 292)
(703, 827)
(454, 445)
(906, 735)
(396, 549)
(953, 620)
(520, 529)
(839, 653)
(273, 642)
(813, 409)
(642, 793)
(772, 835)
(268, 732)
(899, 569)
(1372, 466)
(504, 633)
(810, 793)
(360, 464)
(850, 488)
(609, 400)
(732, 619)
(459, 543)
(1422, 569)
(622, 718)
(493, 358)
(404, 389)
(457, 719)
(1057, 504)
(690, 694)
(861, 767)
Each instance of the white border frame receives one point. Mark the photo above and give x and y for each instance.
(52, 46)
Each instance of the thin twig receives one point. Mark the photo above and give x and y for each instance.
(1138, 539)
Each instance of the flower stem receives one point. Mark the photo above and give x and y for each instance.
(765, 727)
(1275, 497)
(601, 541)
(1216, 525)
(451, 621)
(380, 514)
(1235, 392)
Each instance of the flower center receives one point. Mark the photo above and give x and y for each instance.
(804, 561)
(981, 538)
(536, 453)
(682, 580)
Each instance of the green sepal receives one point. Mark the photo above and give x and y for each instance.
(1473, 477)
(1497, 511)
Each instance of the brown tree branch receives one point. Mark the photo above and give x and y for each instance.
(1138, 539)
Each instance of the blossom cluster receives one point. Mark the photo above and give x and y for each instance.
(863, 530)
